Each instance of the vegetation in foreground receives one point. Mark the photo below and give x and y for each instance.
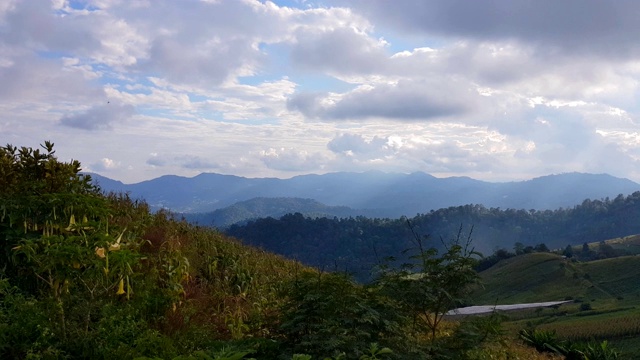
(88, 275)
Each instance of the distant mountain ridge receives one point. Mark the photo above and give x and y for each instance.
(386, 194)
(256, 208)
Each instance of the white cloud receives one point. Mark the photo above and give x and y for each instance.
(421, 99)
(99, 117)
(588, 27)
(289, 159)
(197, 163)
(105, 165)
(258, 89)
(338, 51)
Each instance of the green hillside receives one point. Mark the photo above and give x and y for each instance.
(627, 245)
(540, 277)
(535, 277)
(605, 294)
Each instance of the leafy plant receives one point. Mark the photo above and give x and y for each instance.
(547, 341)
(375, 352)
(432, 284)
(327, 314)
(542, 340)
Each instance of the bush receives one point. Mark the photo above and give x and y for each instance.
(585, 307)
(328, 314)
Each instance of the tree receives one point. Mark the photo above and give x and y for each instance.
(586, 253)
(542, 247)
(328, 314)
(605, 250)
(432, 284)
(568, 251)
(518, 248)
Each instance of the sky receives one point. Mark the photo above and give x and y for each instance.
(498, 90)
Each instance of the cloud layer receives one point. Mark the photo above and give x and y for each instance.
(498, 90)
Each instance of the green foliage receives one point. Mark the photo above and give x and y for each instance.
(548, 341)
(327, 314)
(41, 197)
(223, 354)
(585, 306)
(588, 351)
(358, 243)
(542, 340)
(89, 275)
(466, 339)
(375, 352)
(432, 284)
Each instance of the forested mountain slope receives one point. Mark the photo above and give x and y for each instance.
(357, 243)
(256, 208)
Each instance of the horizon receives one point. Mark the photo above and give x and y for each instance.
(358, 172)
(135, 90)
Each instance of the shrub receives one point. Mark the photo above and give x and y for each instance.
(328, 314)
(585, 306)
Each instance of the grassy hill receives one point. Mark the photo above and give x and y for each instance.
(605, 294)
(535, 277)
(627, 245)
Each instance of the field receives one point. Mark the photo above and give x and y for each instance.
(605, 295)
(628, 244)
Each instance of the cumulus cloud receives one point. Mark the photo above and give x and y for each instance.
(448, 87)
(105, 164)
(586, 27)
(205, 44)
(405, 100)
(99, 117)
(343, 51)
(357, 144)
(290, 159)
(185, 161)
(435, 153)
(26, 78)
(197, 163)
(155, 160)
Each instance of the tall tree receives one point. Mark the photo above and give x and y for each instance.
(432, 283)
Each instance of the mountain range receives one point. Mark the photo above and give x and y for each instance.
(371, 193)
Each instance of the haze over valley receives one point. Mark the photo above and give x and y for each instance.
(373, 193)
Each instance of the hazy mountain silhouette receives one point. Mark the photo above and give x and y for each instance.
(385, 194)
(256, 208)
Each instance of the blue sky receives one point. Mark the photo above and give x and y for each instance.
(495, 90)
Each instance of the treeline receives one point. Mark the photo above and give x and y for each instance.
(356, 244)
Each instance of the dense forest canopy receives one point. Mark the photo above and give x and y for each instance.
(355, 244)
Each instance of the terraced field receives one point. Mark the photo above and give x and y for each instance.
(604, 294)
